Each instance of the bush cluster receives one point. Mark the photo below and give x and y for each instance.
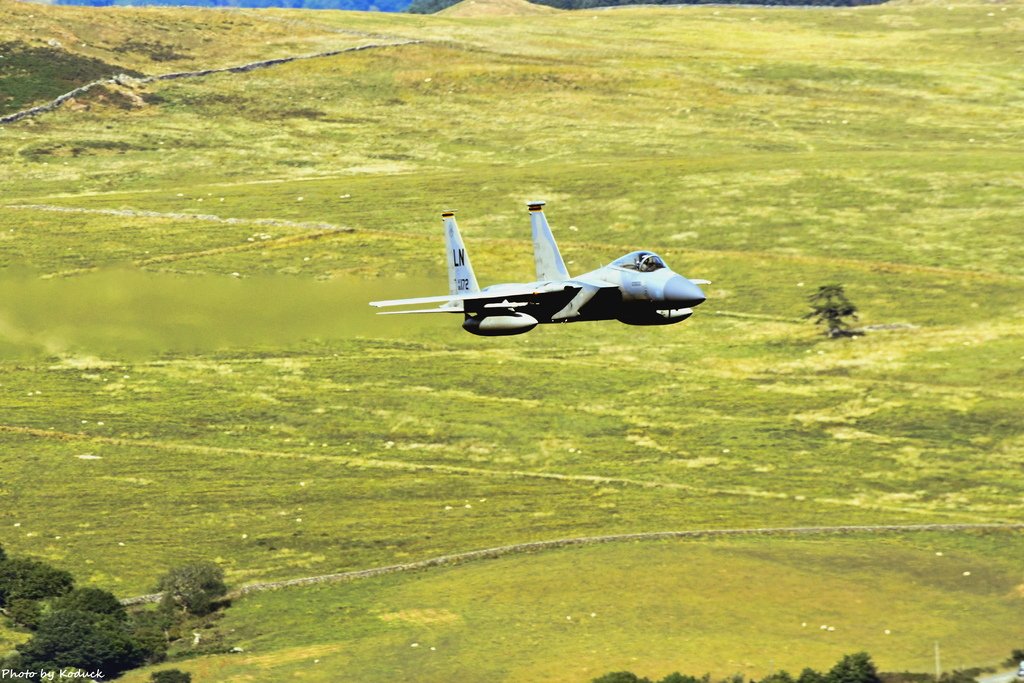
(855, 668)
(88, 629)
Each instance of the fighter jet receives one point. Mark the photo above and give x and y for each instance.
(636, 289)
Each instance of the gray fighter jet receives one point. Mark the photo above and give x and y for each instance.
(636, 289)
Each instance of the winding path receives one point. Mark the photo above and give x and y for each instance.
(536, 546)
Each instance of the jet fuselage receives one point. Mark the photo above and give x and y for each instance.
(636, 289)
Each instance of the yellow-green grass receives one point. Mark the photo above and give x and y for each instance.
(499, 91)
(11, 636)
(886, 208)
(749, 607)
(226, 380)
(737, 422)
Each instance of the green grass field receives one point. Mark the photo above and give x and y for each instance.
(190, 371)
(649, 607)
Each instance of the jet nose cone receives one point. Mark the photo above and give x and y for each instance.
(680, 291)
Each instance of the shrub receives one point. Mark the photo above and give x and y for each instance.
(80, 640)
(193, 587)
(621, 677)
(93, 600)
(32, 580)
(24, 612)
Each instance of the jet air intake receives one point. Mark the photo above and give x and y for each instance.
(499, 325)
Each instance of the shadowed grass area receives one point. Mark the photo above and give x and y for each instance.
(50, 72)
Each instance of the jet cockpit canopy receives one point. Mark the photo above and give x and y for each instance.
(642, 261)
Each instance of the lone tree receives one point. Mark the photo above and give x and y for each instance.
(855, 668)
(192, 587)
(829, 306)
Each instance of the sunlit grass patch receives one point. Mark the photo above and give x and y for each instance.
(578, 612)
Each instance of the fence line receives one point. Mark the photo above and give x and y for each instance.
(535, 546)
(123, 79)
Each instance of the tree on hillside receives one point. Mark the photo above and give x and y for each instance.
(1016, 655)
(621, 677)
(154, 630)
(676, 677)
(93, 600)
(171, 676)
(777, 677)
(192, 588)
(830, 307)
(809, 675)
(80, 640)
(855, 668)
(26, 613)
(32, 580)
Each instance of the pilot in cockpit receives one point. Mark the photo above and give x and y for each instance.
(647, 262)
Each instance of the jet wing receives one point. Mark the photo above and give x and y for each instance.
(418, 300)
(439, 309)
(508, 298)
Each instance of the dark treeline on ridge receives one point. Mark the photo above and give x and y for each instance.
(363, 5)
(431, 6)
(854, 668)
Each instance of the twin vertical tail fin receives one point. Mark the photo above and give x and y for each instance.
(545, 252)
(461, 279)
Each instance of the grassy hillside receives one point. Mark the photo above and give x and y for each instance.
(49, 50)
(649, 608)
(190, 370)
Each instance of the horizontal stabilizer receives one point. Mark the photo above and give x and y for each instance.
(419, 300)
